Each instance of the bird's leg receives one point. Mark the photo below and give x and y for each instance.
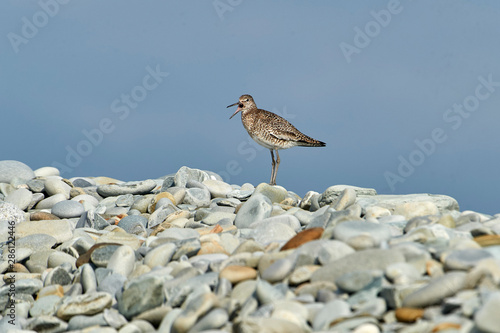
(276, 167)
(272, 182)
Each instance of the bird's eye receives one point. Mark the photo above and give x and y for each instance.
(246, 100)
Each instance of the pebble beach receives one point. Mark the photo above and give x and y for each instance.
(188, 252)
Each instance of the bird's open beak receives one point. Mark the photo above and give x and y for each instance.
(237, 110)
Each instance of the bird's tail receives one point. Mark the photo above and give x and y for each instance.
(310, 142)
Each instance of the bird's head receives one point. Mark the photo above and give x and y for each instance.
(244, 103)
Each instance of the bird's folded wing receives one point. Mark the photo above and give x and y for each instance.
(285, 135)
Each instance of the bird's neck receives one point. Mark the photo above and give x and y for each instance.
(248, 111)
(247, 118)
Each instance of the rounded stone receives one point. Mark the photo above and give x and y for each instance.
(36, 242)
(240, 195)
(179, 234)
(286, 219)
(333, 250)
(58, 258)
(88, 278)
(36, 185)
(250, 246)
(82, 182)
(37, 197)
(211, 245)
(10, 212)
(114, 190)
(55, 290)
(46, 172)
(87, 199)
(79, 322)
(217, 217)
(197, 197)
(41, 216)
(195, 305)
(185, 174)
(351, 229)
(302, 274)
(23, 286)
(217, 188)
(208, 260)
(58, 276)
(244, 290)
(120, 237)
(290, 310)
(362, 242)
(20, 197)
(268, 294)
(258, 207)
(141, 294)
(278, 232)
(54, 185)
(45, 306)
(331, 312)
(278, 270)
(487, 240)
(214, 319)
(122, 261)
(100, 256)
(355, 281)
(414, 209)
(160, 215)
(178, 193)
(376, 212)
(61, 230)
(228, 241)
(274, 193)
(360, 260)
(487, 318)
(409, 315)
(21, 253)
(465, 259)
(333, 192)
(134, 224)
(87, 304)
(49, 202)
(104, 180)
(5, 189)
(163, 195)
(76, 191)
(40, 324)
(345, 199)
(112, 284)
(188, 248)
(302, 238)
(13, 169)
(160, 255)
(448, 221)
(125, 200)
(236, 274)
(402, 273)
(275, 325)
(438, 289)
(68, 209)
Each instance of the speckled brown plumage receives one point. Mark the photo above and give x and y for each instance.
(271, 131)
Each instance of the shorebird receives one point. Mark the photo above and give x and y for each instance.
(271, 131)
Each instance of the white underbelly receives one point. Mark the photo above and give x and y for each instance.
(270, 145)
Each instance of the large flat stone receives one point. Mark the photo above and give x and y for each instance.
(357, 261)
(61, 230)
(444, 203)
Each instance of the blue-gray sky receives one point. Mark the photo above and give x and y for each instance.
(370, 78)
